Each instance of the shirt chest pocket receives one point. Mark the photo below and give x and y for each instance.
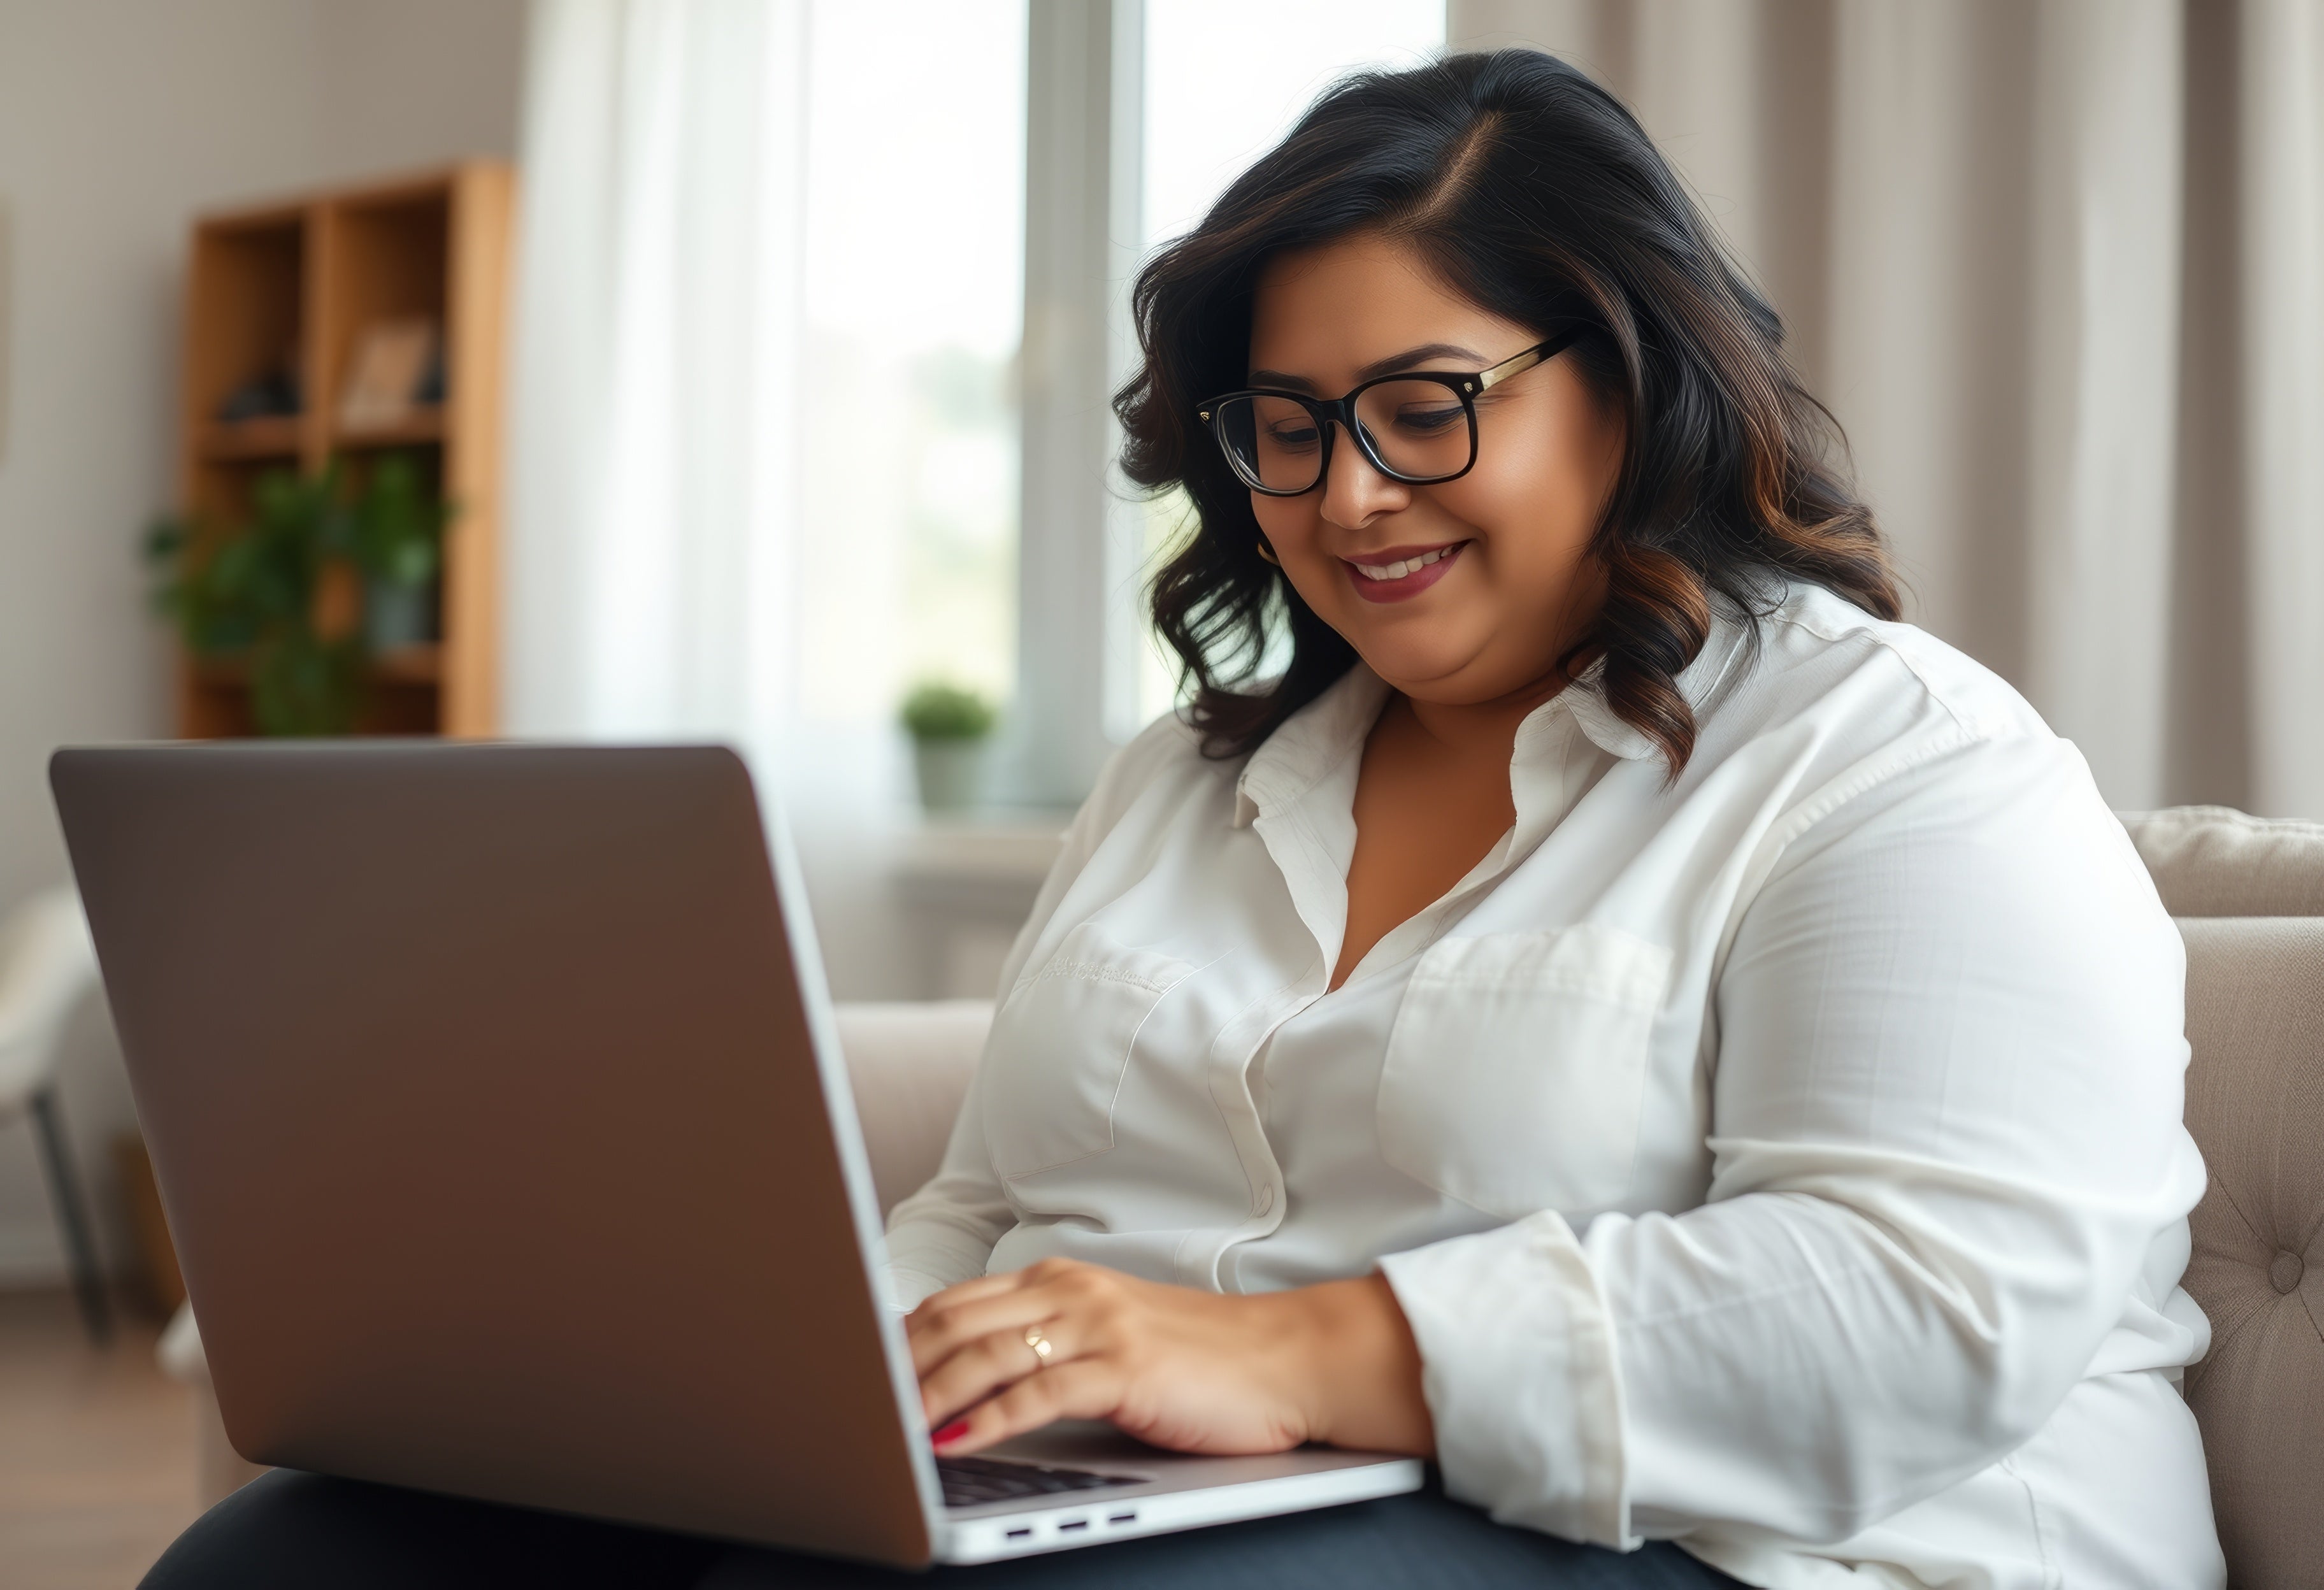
(1517, 1065)
(1061, 1043)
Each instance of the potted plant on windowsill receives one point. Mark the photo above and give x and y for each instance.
(949, 726)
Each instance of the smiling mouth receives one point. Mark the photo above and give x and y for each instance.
(1383, 578)
(1403, 566)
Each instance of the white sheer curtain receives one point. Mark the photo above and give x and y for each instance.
(653, 438)
(651, 588)
(2059, 268)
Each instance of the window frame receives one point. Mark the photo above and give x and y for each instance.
(1079, 629)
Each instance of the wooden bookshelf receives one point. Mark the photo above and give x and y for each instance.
(294, 286)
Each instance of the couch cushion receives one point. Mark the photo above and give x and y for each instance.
(2255, 1104)
(909, 1065)
(2215, 862)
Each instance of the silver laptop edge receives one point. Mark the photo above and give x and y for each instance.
(847, 1133)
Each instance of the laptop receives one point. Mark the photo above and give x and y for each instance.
(494, 1100)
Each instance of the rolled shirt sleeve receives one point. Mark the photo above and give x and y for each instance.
(1945, 1130)
(944, 1233)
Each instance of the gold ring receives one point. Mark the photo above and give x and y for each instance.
(1041, 1344)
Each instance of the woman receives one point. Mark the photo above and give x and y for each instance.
(1584, 996)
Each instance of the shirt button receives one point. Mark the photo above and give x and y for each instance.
(1266, 1197)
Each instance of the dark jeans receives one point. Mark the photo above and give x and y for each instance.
(287, 1530)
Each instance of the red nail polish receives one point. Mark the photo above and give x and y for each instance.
(950, 1433)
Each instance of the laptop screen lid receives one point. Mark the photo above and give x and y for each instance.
(499, 1119)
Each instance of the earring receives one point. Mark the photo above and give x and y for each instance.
(1267, 553)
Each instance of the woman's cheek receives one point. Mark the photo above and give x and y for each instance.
(1292, 534)
(1283, 524)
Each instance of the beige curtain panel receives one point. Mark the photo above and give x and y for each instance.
(2058, 267)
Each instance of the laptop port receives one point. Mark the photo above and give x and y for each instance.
(1073, 1524)
(1023, 1534)
(1122, 1518)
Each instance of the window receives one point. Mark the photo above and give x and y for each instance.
(945, 134)
(914, 305)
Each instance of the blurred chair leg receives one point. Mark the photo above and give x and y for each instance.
(72, 1217)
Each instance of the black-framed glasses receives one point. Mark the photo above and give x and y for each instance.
(1419, 427)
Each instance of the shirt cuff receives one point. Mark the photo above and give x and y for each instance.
(1519, 1369)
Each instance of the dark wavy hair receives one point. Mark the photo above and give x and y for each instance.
(1531, 191)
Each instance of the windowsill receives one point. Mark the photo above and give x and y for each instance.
(997, 846)
(969, 880)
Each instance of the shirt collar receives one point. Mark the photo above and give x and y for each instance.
(1697, 682)
(1323, 734)
(1309, 744)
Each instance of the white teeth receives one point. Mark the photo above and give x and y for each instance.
(1397, 570)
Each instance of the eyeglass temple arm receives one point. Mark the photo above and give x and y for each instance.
(1517, 364)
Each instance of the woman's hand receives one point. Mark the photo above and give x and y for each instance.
(1191, 1371)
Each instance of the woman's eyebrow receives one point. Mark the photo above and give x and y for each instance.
(1393, 362)
(1420, 355)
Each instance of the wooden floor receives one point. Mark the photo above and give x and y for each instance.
(97, 1451)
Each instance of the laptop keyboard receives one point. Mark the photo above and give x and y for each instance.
(971, 1481)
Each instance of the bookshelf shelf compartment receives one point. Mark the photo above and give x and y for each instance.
(410, 664)
(244, 440)
(285, 293)
(424, 429)
(398, 666)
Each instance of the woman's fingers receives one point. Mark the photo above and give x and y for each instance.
(972, 1351)
(1010, 1316)
(984, 1286)
(1086, 1388)
(978, 1368)
(953, 1319)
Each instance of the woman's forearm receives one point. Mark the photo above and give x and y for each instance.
(1353, 1355)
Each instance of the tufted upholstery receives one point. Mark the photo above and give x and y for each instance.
(2250, 899)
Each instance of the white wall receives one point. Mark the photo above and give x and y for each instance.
(415, 82)
(119, 120)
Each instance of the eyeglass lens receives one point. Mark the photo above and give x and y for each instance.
(1419, 428)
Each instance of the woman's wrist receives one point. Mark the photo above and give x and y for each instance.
(1355, 1369)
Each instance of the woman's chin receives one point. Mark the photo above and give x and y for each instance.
(1441, 671)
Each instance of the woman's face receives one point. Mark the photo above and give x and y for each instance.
(1512, 590)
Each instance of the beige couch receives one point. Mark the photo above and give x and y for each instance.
(2250, 900)
(2249, 897)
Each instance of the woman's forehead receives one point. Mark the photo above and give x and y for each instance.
(1327, 313)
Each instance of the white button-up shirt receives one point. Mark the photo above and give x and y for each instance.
(1786, 1159)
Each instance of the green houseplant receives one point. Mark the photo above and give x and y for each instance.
(398, 545)
(949, 726)
(256, 589)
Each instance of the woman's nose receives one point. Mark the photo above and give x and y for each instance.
(1354, 492)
